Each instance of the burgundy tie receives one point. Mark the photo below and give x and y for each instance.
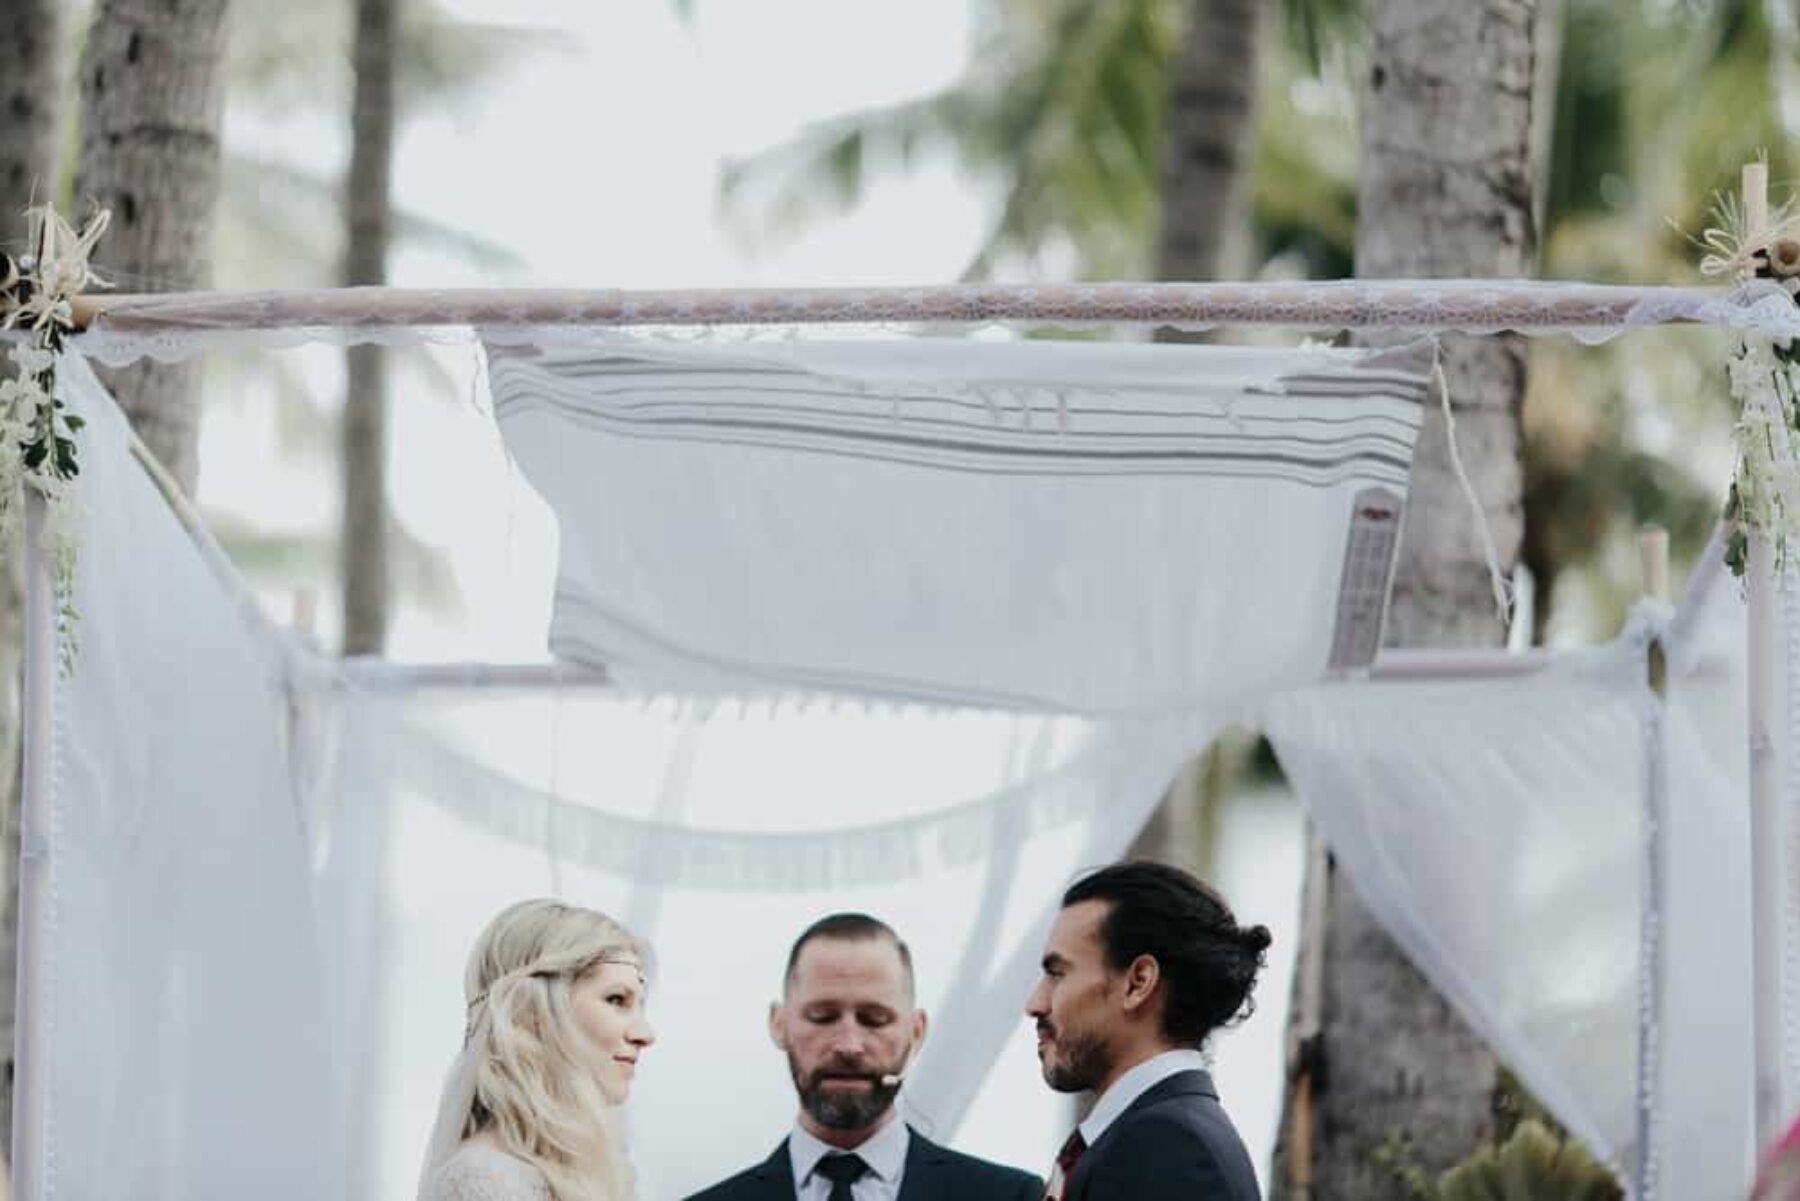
(1066, 1159)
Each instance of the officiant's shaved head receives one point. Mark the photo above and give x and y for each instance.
(849, 927)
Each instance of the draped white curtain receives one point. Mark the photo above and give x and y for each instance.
(190, 1052)
(720, 832)
(1502, 830)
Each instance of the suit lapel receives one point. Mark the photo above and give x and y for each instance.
(924, 1164)
(775, 1177)
(1196, 1082)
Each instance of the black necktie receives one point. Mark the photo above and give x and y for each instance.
(842, 1171)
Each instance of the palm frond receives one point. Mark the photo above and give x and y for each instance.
(1314, 28)
(300, 558)
(1065, 117)
(283, 55)
(290, 217)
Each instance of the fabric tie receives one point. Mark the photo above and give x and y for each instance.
(1065, 1166)
(842, 1171)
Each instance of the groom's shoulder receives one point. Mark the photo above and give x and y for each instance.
(992, 1179)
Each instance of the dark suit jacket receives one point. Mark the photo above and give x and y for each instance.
(933, 1173)
(1174, 1143)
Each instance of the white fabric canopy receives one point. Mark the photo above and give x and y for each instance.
(262, 882)
(1069, 527)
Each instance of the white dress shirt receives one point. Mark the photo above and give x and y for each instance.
(1133, 1084)
(884, 1152)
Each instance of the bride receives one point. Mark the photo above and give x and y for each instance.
(555, 1029)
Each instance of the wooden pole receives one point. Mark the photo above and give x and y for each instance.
(31, 1092)
(1765, 767)
(1653, 559)
(1472, 306)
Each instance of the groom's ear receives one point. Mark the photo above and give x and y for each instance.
(777, 1025)
(1141, 978)
(919, 1023)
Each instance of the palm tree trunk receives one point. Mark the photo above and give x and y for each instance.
(1211, 107)
(32, 78)
(1205, 210)
(32, 37)
(1205, 215)
(1446, 189)
(365, 540)
(151, 95)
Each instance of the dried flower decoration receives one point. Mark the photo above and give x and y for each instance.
(1735, 251)
(37, 436)
(1783, 258)
(1764, 375)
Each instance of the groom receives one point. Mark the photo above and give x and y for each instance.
(849, 1027)
(1143, 964)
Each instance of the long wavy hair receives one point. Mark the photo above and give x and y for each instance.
(537, 1087)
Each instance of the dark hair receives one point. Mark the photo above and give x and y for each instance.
(1208, 962)
(849, 927)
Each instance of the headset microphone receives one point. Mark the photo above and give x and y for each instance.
(894, 1079)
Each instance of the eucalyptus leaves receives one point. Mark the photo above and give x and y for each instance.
(38, 450)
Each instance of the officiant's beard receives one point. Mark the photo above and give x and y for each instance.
(840, 1109)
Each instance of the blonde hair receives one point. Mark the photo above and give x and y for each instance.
(536, 1088)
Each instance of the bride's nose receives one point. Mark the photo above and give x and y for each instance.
(641, 1034)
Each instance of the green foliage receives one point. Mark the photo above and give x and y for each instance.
(1532, 1165)
(1064, 112)
(1396, 1156)
(283, 55)
(1317, 28)
(1659, 105)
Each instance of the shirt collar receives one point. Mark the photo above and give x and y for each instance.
(884, 1152)
(1133, 1084)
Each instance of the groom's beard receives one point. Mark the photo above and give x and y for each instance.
(1076, 1063)
(839, 1108)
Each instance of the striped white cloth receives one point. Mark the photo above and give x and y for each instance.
(1057, 526)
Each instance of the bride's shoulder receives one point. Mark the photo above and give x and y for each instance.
(479, 1171)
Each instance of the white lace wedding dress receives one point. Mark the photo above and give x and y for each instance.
(478, 1171)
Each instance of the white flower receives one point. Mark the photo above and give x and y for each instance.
(32, 360)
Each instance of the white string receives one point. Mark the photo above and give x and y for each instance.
(1503, 598)
(552, 798)
(1647, 1154)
